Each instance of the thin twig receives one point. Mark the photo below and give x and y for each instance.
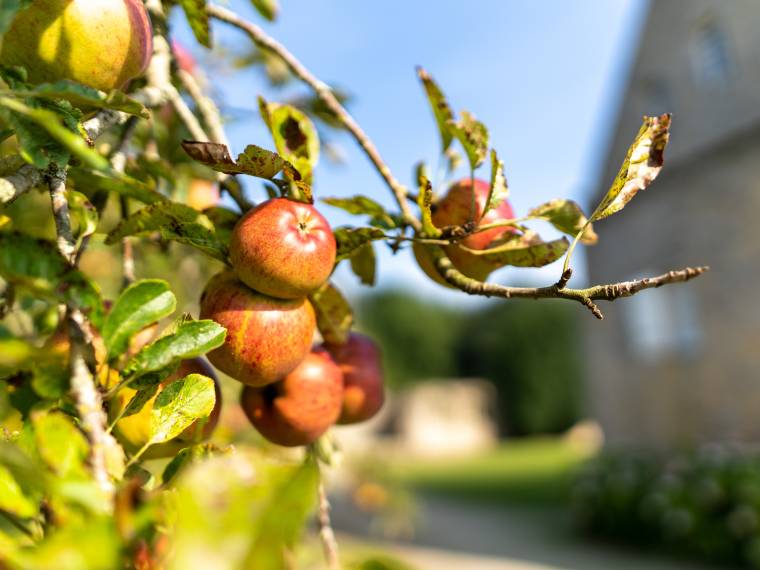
(206, 106)
(326, 533)
(86, 396)
(558, 291)
(323, 91)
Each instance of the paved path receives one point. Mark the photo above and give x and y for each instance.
(457, 536)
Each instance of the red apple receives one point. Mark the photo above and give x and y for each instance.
(283, 248)
(361, 363)
(300, 408)
(455, 209)
(185, 60)
(266, 337)
(100, 43)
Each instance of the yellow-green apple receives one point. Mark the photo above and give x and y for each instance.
(100, 43)
(283, 248)
(266, 337)
(455, 209)
(302, 406)
(202, 193)
(133, 431)
(360, 360)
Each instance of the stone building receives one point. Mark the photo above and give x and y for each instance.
(681, 364)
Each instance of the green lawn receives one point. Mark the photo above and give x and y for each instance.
(529, 471)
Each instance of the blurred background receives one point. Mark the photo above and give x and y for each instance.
(528, 435)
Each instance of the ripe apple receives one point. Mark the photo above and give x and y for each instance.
(134, 431)
(455, 209)
(283, 248)
(301, 407)
(361, 363)
(266, 337)
(100, 43)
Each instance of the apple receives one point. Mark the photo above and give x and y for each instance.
(455, 209)
(266, 337)
(302, 406)
(283, 248)
(100, 43)
(202, 194)
(134, 431)
(361, 363)
(185, 60)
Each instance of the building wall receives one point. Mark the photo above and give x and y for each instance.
(681, 364)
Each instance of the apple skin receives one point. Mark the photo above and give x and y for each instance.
(134, 431)
(283, 248)
(100, 43)
(266, 337)
(302, 406)
(360, 360)
(454, 209)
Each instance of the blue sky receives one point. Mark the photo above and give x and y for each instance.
(545, 76)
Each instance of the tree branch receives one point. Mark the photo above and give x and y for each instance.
(323, 91)
(86, 396)
(559, 291)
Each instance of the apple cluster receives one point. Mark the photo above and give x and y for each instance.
(280, 252)
(456, 209)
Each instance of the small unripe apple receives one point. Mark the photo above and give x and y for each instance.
(134, 431)
(301, 407)
(202, 194)
(283, 248)
(266, 337)
(363, 388)
(100, 43)
(455, 209)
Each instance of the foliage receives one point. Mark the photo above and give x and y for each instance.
(537, 373)
(81, 324)
(704, 503)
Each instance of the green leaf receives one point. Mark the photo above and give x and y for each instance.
(277, 534)
(295, 137)
(498, 189)
(12, 498)
(224, 221)
(363, 264)
(84, 214)
(641, 166)
(197, 17)
(8, 11)
(267, 8)
(53, 123)
(187, 456)
(254, 160)
(191, 339)
(85, 97)
(37, 265)
(179, 404)
(153, 378)
(60, 444)
(474, 138)
(139, 305)
(334, 314)
(173, 221)
(425, 203)
(138, 401)
(441, 110)
(362, 205)
(527, 250)
(567, 217)
(349, 240)
(16, 354)
(112, 181)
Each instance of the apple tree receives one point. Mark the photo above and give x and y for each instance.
(110, 121)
